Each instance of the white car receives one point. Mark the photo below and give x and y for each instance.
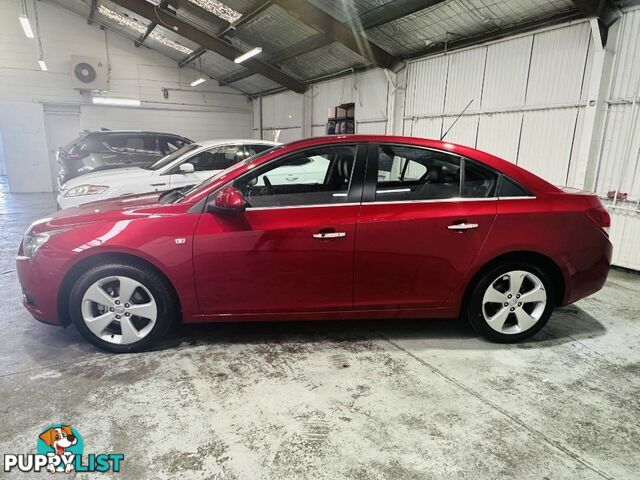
(189, 165)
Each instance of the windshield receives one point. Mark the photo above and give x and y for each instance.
(164, 161)
(210, 180)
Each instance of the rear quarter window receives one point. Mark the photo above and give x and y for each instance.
(510, 188)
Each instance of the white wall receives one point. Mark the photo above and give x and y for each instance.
(203, 112)
(551, 101)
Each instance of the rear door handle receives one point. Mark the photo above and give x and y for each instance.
(291, 178)
(462, 226)
(326, 235)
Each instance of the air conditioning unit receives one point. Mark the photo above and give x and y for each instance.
(88, 73)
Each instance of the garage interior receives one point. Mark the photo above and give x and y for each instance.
(551, 85)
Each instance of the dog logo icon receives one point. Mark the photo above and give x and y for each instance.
(63, 442)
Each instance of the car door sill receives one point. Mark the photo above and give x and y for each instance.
(431, 312)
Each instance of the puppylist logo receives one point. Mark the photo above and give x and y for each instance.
(60, 449)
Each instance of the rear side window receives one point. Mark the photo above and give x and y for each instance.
(479, 182)
(409, 173)
(133, 143)
(174, 143)
(257, 148)
(509, 188)
(74, 143)
(92, 144)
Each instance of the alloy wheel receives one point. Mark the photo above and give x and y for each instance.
(119, 310)
(514, 302)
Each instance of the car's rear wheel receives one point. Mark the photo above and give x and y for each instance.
(511, 302)
(122, 308)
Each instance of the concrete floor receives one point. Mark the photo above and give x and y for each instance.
(357, 400)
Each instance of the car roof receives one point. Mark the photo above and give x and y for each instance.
(140, 132)
(226, 141)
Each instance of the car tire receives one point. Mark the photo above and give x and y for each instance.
(494, 298)
(143, 317)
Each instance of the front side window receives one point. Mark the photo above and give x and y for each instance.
(317, 176)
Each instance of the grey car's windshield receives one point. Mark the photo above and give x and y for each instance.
(164, 161)
(186, 193)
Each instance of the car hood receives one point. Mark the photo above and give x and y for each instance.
(109, 177)
(127, 207)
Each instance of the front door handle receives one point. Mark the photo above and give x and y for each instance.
(291, 178)
(327, 235)
(462, 226)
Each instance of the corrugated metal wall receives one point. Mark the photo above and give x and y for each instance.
(284, 112)
(282, 117)
(367, 90)
(529, 101)
(526, 95)
(619, 167)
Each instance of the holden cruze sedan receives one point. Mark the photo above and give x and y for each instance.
(396, 227)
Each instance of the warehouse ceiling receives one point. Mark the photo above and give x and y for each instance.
(304, 41)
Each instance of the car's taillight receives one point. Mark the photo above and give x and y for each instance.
(73, 155)
(600, 217)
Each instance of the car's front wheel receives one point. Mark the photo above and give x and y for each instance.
(511, 302)
(122, 308)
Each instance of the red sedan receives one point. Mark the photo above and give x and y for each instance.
(354, 226)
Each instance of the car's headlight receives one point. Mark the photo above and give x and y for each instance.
(31, 242)
(86, 190)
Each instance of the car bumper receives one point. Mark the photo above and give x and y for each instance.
(40, 288)
(588, 270)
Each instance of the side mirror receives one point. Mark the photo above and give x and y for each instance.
(187, 168)
(228, 200)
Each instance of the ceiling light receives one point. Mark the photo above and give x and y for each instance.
(124, 102)
(43, 66)
(218, 9)
(198, 81)
(26, 26)
(249, 54)
(141, 28)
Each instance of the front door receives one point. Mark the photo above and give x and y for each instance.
(292, 250)
(421, 226)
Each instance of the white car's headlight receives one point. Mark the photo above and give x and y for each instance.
(31, 242)
(85, 190)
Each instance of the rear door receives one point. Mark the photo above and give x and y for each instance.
(420, 226)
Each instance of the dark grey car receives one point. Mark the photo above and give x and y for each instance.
(94, 151)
